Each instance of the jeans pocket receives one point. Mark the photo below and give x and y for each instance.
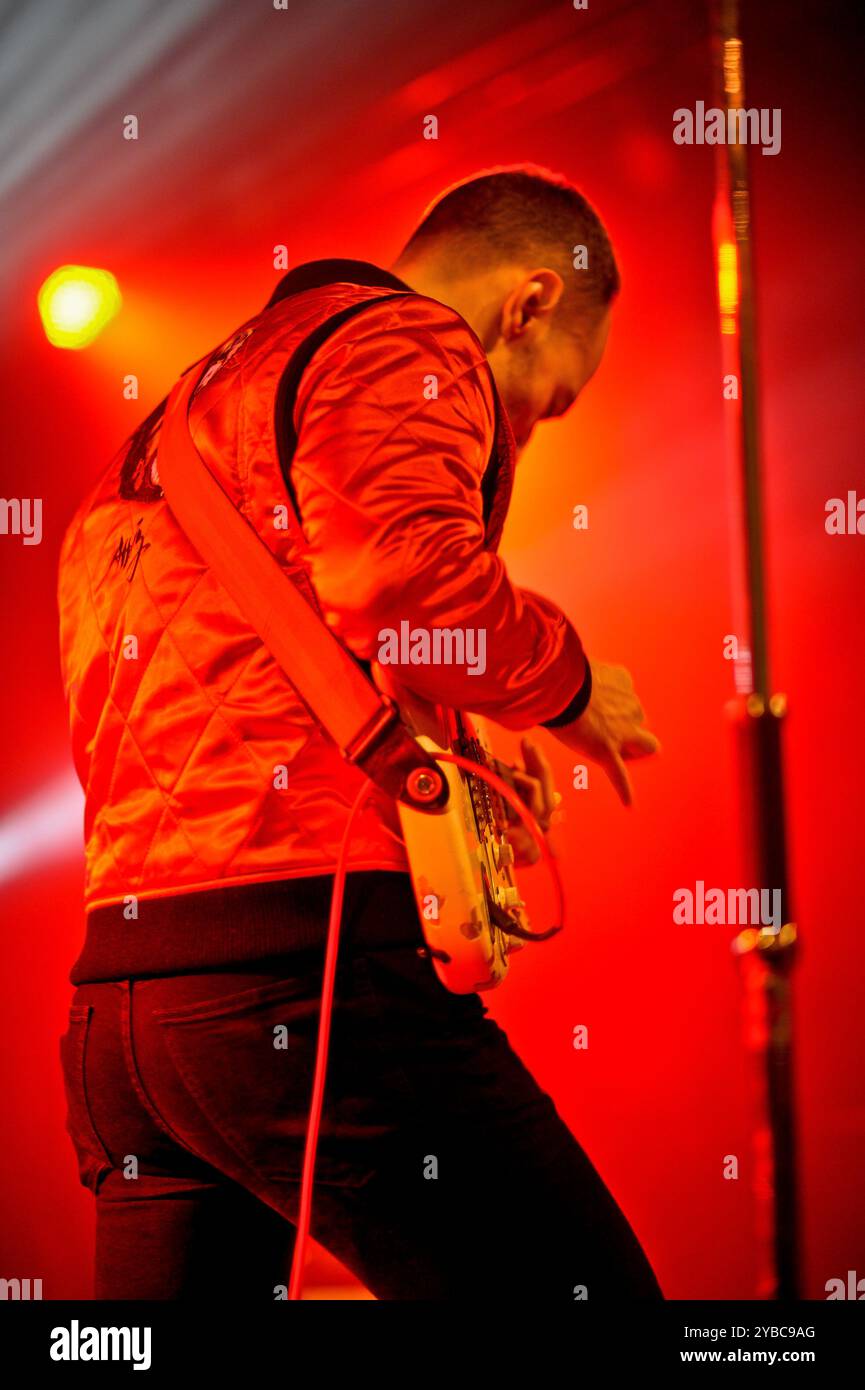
(94, 1161)
(247, 1060)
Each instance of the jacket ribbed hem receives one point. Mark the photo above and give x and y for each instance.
(237, 926)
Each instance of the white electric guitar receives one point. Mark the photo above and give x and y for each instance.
(462, 864)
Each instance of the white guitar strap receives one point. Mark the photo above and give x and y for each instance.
(364, 724)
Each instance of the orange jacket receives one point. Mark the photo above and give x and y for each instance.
(201, 767)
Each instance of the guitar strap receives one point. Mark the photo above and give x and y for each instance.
(363, 723)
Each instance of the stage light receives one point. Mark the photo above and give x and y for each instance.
(44, 827)
(75, 304)
(728, 285)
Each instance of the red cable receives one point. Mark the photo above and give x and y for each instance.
(304, 1216)
(305, 1209)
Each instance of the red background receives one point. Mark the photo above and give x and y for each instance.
(259, 127)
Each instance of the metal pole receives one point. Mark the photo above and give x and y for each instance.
(765, 958)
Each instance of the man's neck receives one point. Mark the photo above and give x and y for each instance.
(461, 296)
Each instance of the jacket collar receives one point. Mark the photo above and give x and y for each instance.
(312, 274)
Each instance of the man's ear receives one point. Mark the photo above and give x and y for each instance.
(530, 303)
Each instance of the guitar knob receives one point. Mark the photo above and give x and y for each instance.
(505, 852)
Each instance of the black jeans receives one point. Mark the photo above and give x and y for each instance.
(443, 1171)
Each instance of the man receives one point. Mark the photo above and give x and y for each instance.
(363, 424)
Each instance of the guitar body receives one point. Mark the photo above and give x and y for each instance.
(460, 860)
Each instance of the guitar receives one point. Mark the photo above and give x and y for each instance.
(461, 862)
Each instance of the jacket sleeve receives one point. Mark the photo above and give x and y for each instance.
(395, 422)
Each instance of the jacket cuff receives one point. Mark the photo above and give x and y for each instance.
(577, 705)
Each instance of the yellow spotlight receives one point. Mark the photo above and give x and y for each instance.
(75, 304)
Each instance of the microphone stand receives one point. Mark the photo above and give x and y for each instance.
(765, 958)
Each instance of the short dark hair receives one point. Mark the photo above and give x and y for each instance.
(521, 212)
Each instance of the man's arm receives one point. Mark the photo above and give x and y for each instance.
(395, 422)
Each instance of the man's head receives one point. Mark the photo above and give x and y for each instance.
(526, 261)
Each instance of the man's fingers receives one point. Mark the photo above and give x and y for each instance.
(618, 676)
(524, 847)
(537, 766)
(640, 744)
(529, 791)
(618, 775)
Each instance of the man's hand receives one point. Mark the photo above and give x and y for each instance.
(534, 785)
(612, 727)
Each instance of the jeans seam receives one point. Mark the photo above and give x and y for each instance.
(82, 1015)
(135, 1078)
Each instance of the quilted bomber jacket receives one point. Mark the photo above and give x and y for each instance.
(201, 767)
